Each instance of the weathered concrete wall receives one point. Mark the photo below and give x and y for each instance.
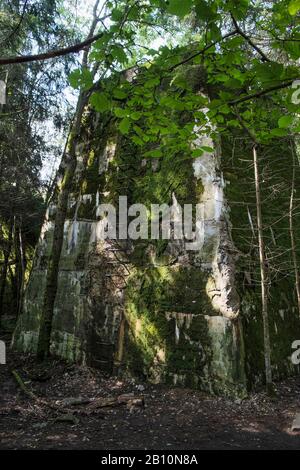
(152, 307)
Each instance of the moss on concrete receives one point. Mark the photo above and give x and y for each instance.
(172, 332)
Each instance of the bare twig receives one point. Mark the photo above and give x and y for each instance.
(244, 35)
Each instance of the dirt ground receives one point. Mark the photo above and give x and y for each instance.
(172, 418)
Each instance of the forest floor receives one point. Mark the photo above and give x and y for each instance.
(172, 418)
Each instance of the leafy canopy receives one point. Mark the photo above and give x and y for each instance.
(248, 51)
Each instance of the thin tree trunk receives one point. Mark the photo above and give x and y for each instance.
(263, 275)
(7, 252)
(43, 349)
(20, 264)
(292, 233)
(13, 284)
(61, 211)
(262, 260)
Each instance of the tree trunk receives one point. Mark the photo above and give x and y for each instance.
(7, 252)
(263, 275)
(20, 264)
(61, 211)
(292, 232)
(69, 157)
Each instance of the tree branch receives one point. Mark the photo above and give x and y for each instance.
(202, 51)
(51, 54)
(241, 33)
(262, 92)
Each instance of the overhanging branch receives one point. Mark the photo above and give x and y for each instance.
(262, 92)
(202, 51)
(51, 54)
(241, 33)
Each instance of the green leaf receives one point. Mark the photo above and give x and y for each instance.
(268, 72)
(154, 153)
(225, 109)
(119, 94)
(120, 112)
(285, 121)
(117, 15)
(136, 115)
(134, 13)
(197, 153)
(179, 7)
(233, 123)
(118, 54)
(207, 149)
(152, 82)
(81, 78)
(124, 125)
(279, 132)
(74, 78)
(137, 140)
(100, 102)
(103, 41)
(204, 12)
(139, 131)
(237, 7)
(293, 48)
(294, 7)
(220, 118)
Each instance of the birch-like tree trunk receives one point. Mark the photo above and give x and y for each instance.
(292, 231)
(263, 274)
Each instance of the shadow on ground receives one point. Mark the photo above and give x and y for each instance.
(172, 418)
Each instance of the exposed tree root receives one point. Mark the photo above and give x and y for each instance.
(130, 400)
